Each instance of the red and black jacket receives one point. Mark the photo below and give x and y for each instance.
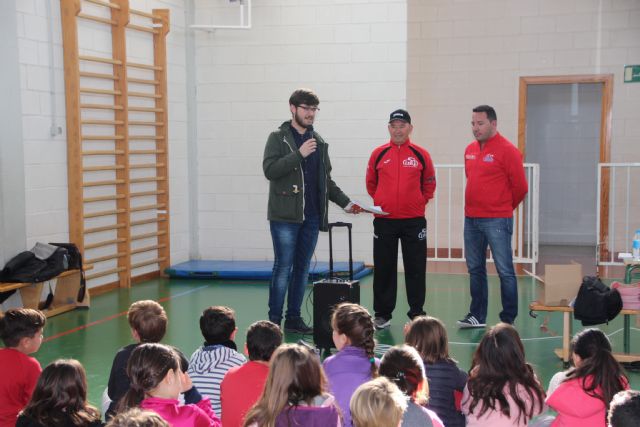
(401, 179)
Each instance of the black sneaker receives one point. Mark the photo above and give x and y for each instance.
(470, 321)
(381, 323)
(297, 326)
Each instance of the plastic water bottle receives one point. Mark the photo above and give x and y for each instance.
(636, 246)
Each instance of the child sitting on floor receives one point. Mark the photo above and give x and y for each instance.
(582, 399)
(209, 363)
(355, 363)
(378, 403)
(295, 392)
(403, 365)
(446, 381)
(502, 390)
(21, 332)
(242, 385)
(60, 399)
(156, 383)
(148, 322)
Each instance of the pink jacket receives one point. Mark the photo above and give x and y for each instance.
(575, 407)
(192, 415)
(495, 418)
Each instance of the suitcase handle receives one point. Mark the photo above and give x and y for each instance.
(348, 226)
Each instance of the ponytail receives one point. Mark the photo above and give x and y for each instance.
(148, 365)
(131, 399)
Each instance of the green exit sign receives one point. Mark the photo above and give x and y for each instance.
(632, 74)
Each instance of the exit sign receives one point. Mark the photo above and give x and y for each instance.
(632, 74)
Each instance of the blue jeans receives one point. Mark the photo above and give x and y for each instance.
(293, 247)
(495, 233)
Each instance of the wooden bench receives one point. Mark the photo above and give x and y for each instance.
(64, 297)
(563, 353)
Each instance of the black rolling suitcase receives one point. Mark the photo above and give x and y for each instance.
(329, 292)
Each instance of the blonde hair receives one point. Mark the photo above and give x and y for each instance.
(295, 377)
(135, 417)
(377, 403)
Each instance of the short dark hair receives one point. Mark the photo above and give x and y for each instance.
(148, 319)
(625, 409)
(18, 323)
(263, 337)
(217, 323)
(491, 113)
(304, 96)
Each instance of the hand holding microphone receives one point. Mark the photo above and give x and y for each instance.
(310, 145)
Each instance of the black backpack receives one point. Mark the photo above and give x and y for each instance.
(75, 263)
(596, 302)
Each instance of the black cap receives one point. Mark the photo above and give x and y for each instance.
(400, 114)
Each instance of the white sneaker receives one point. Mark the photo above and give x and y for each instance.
(470, 321)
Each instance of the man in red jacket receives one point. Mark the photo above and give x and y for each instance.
(401, 180)
(496, 185)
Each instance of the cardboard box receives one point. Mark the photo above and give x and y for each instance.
(559, 285)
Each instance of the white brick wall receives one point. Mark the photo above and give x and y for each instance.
(352, 53)
(480, 60)
(45, 156)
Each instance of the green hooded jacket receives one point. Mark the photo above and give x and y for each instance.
(282, 166)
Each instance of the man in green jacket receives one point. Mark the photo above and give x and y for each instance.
(296, 163)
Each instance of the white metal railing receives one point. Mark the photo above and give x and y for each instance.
(622, 213)
(445, 216)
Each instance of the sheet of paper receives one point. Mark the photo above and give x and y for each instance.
(375, 209)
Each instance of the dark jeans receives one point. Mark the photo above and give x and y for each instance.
(495, 233)
(293, 247)
(412, 234)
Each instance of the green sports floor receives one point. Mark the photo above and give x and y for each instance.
(93, 336)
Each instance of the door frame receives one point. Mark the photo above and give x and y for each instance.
(606, 80)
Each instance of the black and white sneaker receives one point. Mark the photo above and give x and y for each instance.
(470, 321)
(381, 323)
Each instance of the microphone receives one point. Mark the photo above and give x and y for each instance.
(310, 130)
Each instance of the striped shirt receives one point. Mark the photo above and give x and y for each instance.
(207, 368)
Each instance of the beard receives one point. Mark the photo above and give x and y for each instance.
(300, 121)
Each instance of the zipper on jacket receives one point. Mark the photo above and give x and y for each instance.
(324, 205)
(398, 178)
(301, 175)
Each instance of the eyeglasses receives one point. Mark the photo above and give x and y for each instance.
(309, 109)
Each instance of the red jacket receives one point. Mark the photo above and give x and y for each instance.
(495, 179)
(401, 179)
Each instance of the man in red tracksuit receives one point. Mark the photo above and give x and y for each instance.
(496, 185)
(401, 180)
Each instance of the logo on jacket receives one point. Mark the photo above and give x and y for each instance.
(410, 162)
(488, 158)
(470, 156)
(423, 234)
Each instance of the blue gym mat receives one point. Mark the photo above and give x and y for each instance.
(256, 270)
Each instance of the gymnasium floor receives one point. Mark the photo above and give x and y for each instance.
(93, 336)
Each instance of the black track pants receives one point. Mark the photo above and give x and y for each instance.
(412, 233)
